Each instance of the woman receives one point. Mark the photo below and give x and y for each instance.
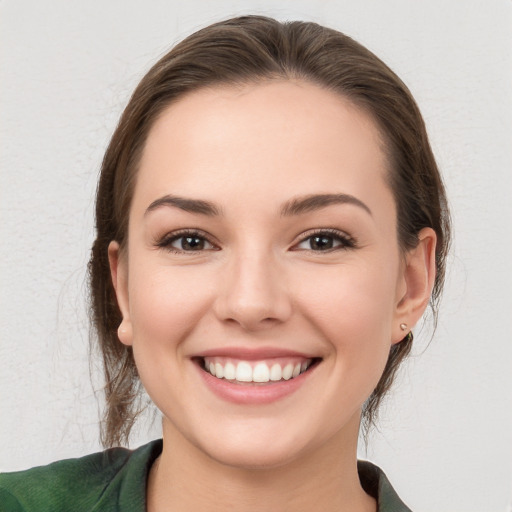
(271, 224)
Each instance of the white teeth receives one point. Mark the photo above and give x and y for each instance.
(260, 371)
(276, 373)
(288, 371)
(229, 371)
(219, 370)
(243, 372)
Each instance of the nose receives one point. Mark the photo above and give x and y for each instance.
(253, 294)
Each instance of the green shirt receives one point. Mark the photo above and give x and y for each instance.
(115, 480)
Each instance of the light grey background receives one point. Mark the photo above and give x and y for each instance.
(66, 71)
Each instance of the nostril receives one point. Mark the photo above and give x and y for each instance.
(252, 298)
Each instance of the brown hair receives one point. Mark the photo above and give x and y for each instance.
(246, 50)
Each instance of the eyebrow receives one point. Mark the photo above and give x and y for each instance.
(188, 205)
(296, 206)
(314, 202)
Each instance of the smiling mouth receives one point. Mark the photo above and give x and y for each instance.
(256, 372)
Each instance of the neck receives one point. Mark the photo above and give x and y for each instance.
(186, 479)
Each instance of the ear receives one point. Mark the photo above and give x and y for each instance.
(417, 280)
(119, 274)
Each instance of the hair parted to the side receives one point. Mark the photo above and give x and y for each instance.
(243, 50)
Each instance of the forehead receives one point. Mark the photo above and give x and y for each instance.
(269, 140)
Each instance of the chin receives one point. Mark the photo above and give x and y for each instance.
(261, 445)
(254, 457)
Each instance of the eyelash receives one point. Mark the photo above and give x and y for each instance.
(346, 241)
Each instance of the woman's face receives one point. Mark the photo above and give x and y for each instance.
(262, 246)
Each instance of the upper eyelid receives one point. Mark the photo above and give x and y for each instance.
(185, 231)
(320, 231)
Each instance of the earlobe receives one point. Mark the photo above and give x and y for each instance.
(418, 277)
(119, 274)
(124, 332)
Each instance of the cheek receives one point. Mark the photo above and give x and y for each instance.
(165, 303)
(360, 297)
(165, 306)
(352, 307)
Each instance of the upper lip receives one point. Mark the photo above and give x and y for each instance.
(253, 354)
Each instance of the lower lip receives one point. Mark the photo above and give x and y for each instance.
(250, 394)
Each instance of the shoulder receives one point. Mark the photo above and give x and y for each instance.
(94, 482)
(376, 484)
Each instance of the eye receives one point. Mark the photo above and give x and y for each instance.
(189, 241)
(324, 241)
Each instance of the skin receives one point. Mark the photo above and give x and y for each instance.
(257, 281)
